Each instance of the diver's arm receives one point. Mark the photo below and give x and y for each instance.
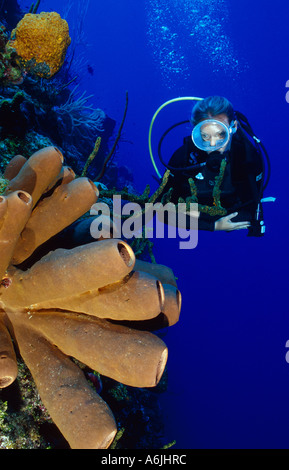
(223, 224)
(198, 221)
(206, 223)
(193, 220)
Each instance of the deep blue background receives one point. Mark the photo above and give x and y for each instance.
(228, 377)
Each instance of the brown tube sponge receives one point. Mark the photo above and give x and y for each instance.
(37, 173)
(64, 273)
(52, 214)
(138, 296)
(172, 305)
(132, 357)
(8, 363)
(14, 166)
(68, 175)
(65, 176)
(160, 271)
(82, 416)
(19, 206)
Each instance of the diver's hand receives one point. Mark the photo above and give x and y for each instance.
(227, 225)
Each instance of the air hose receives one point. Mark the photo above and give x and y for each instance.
(174, 100)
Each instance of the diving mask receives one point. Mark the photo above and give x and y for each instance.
(211, 135)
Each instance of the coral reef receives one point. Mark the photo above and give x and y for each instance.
(12, 120)
(44, 110)
(41, 41)
(93, 302)
(12, 145)
(29, 120)
(24, 421)
(3, 184)
(10, 71)
(26, 424)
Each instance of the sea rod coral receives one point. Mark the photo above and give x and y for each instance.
(74, 303)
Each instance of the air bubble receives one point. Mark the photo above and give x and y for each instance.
(179, 30)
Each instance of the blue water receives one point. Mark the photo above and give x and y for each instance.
(228, 377)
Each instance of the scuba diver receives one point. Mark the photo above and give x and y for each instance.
(220, 169)
(220, 166)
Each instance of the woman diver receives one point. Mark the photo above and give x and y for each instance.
(220, 169)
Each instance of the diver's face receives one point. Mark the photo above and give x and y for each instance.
(212, 133)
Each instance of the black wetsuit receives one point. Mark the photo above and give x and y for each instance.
(241, 185)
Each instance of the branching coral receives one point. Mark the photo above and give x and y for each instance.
(41, 41)
(79, 114)
(79, 302)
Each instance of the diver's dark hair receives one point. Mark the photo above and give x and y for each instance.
(210, 107)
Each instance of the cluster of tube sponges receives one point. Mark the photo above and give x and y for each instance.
(74, 303)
